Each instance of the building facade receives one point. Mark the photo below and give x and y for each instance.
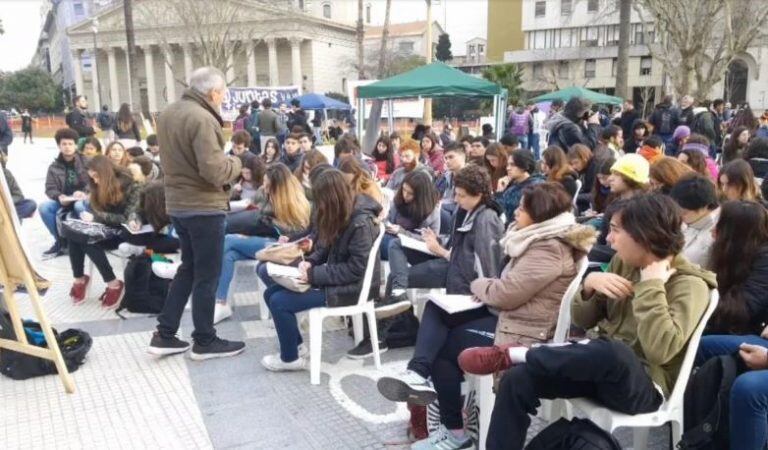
(505, 28)
(404, 38)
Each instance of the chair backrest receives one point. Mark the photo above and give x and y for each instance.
(578, 191)
(564, 317)
(676, 398)
(370, 266)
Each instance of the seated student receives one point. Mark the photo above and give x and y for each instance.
(665, 173)
(271, 153)
(151, 211)
(698, 143)
(409, 161)
(386, 159)
(543, 247)
(251, 179)
(699, 209)
(432, 153)
(66, 184)
(652, 149)
(144, 170)
(611, 143)
(291, 155)
(737, 182)
(554, 166)
(496, 162)
(91, 147)
(309, 161)
(241, 143)
(646, 307)
(585, 165)
(362, 183)
(134, 152)
(153, 147)
(601, 191)
(476, 152)
(349, 147)
(455, 160)
(510, 143)
(345, 230)
(283, 210)
(117, 154)
(487, 132)
(736, 147)
(396, 141)
(416, 206)
(640, 132)
(25, 207)
(521, 168)
(305, 142)
(466, 143)
(114, 199)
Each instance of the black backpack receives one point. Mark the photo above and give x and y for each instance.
(706, 404)
(400, 330)
(575, 434)
(666, 118)
(145, 292)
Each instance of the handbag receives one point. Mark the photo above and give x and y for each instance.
(285, 254)
(82, 232)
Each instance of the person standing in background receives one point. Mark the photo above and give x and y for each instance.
(268, 126)
(77, 119)
(106, 121)
(26, 125)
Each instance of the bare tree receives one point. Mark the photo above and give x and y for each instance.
(374, 118)
(130, 39)
(622, 61)
(697, 40)
(360, 42)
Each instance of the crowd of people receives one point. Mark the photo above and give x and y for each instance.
(668, 208)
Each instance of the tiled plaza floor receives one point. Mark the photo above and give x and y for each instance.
(127, 399)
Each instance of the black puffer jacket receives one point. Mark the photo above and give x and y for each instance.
(754, 291)
(340, 268)
(564, 133)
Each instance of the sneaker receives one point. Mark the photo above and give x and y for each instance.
(275, 364)
(365, 350)
(485, 360)
(219, 348)
(77, 293)
(165, 270)
(409, 387)
(442, 439)
(392, 306)
(127, 250)
(111, 297)
(303, 350)
(55, 251)
(161, 346)
(221, 312)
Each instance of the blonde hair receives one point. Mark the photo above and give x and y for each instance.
(291, 207)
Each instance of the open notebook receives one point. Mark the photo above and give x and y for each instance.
(414, 243)
(286, 271)
(454, 303)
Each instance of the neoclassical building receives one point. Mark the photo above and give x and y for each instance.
(279, 48)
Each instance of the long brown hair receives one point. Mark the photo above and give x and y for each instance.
(667, 171)
(125, 118)
(109, 190)
(125, 160)
(292, 209)
(312, 158)
(740, 174)
(362, 182)
(153, 205)
(335, 202)
(554, 157)
(500, 152)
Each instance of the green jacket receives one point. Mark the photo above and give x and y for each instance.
(657, 321)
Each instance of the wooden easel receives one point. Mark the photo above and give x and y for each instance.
(15, 269)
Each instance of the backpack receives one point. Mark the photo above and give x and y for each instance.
(145, 292)
(706, 404)
(106, 120)
(581, 434)
(401, 330)
(665, 122)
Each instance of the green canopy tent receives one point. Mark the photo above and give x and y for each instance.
(432, 80)
(575, 91)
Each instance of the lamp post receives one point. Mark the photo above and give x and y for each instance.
(94, 62)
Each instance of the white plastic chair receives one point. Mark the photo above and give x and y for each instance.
(578, 191)
(671, 410)
(484, 384)
(250, 264)
(363, 306)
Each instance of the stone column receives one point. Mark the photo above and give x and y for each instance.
(252, 79)
(149, 65)
(114, 86)
(273, 72)
(187, 60)
(78, 68)
(170, 82)
(230, 75)
(296, 62)
(96, 99)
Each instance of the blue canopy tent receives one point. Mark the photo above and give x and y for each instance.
(318, 101)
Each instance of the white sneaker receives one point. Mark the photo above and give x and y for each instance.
(127, 250)
(275, 364)
(303, 350)
(222, 311)
(165, 270)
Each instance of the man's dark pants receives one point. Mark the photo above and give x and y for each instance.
(202, 248)
(603, 370)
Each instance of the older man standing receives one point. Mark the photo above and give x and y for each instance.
(197, 178)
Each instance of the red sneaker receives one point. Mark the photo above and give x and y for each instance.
(77, 293)
(485, 360)
(111, 297)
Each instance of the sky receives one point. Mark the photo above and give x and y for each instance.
(21, 21)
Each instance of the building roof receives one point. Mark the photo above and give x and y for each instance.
(401, 29)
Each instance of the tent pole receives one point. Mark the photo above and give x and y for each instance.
(360, 118)
(496, 115)
(391, 115)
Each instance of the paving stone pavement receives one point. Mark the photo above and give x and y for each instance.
(127, 399)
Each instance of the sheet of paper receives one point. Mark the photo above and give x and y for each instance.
(143, 230)
(454, 303)
(286, 271)
(238, 205)
(414, 244)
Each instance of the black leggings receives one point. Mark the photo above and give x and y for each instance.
(97, 253)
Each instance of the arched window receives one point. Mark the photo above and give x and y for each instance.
(327, 10)
(368, 13)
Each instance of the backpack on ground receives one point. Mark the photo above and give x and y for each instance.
(581, 434)
(401, 330)
(706, 404)
(145, 292)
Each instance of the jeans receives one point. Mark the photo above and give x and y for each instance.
(202, 249)
(533, 143)
(284, 304)
(713, 345)
(384, 248)
(237, 248)
(48, 210)
(441, 338)
(523, 141)
(25, 208)
(426, 271)
(603, 370)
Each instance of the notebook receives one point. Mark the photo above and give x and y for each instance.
(454, 303)
(143, 230)
(414, 244)
(286, 271)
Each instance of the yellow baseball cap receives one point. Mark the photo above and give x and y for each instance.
(634, 167)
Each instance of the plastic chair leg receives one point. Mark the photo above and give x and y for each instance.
(263, 309)
(485, 400)
(677, 432)
(315, 346)
(374, 333)
(357, 328)
(640, 438)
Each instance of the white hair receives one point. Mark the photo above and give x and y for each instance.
(207, 79)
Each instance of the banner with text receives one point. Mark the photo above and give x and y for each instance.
(238, 96)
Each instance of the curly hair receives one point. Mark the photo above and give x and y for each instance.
(475, 181)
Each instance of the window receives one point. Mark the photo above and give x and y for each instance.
(593, 5)
(480, 49)
(405, 47)
(589, 68)
(614, 62)
(541, 9)
(565, 7)
(538, 68)
(327, 10)
(646, 63)
(79, 10)
(563, 69)
(367, 13)
(300, 5)
(85, 60)
(471, 50)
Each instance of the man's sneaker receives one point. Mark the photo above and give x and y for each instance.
(77, 292)
(365, 350)
(111, 297)
(56, 250)
(392, 306)
(161, 346)
(221, 311)
(442, 439)
(485, 360)
(409, 387)
(127, 250)
(275, 364)
(165, 270)
(219, 348)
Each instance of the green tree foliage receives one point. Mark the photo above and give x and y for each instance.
(508, 76)
(443, 51)
(30, 88)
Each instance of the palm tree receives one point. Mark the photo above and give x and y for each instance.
(508, 76)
